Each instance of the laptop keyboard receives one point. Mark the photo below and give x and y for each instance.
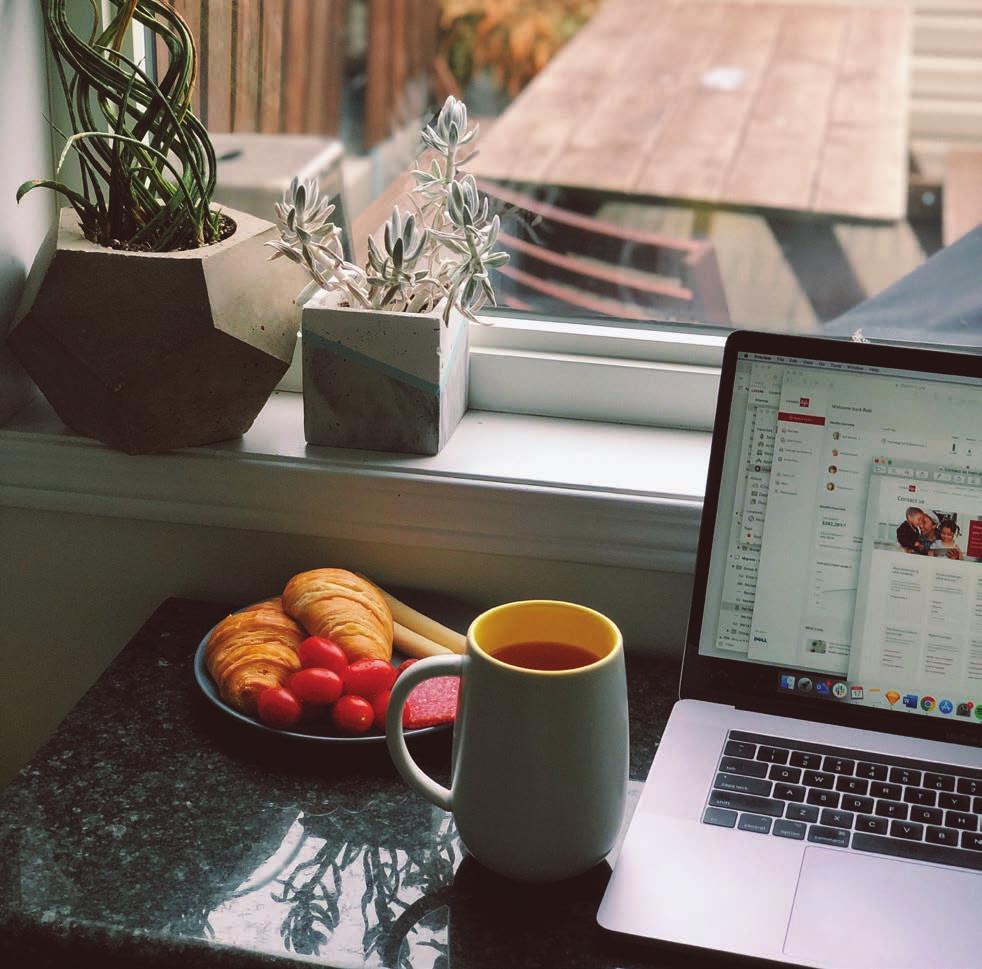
(848, 799)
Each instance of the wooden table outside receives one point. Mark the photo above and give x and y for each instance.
(794, 107)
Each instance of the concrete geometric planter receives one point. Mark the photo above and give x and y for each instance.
(156, 351)
(382, 381)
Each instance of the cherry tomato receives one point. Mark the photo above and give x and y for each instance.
(315, 685)
(318, 652)
(352, 714)
(278, 707)
(369, 677)
(381, 707)
(404, 665)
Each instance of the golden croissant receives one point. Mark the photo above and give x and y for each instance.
(252, 650)
(343, 607)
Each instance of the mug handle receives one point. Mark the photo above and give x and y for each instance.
(431, 666)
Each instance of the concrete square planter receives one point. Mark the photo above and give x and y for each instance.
(155, 351)
(382, 381)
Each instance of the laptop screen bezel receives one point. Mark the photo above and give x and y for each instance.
(754, 686)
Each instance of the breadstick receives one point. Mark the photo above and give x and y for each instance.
(426, 627)
(413, 644)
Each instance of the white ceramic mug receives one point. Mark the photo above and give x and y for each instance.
(540, 757)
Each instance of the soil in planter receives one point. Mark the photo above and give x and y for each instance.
(226, 227)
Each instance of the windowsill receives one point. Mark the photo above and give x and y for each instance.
(541, 487)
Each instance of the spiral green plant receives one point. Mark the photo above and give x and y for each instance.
(147, 163)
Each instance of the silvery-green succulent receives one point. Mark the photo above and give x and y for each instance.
(441, 254)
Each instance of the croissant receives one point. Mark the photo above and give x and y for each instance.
(251, 650)
(344, 607)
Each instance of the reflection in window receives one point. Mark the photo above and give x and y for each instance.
(767, 165)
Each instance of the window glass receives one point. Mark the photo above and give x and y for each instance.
(733, 163)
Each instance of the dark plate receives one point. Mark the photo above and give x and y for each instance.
(321, 734)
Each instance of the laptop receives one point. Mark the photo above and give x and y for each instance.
(816, 797)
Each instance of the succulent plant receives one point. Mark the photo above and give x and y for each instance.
(147, 163)
(441, 253)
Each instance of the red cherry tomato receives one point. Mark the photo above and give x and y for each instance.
(352, 714)
(404, 665)
(369, 677)
(318, 652)
(278, 707)
(315, 685)
(381, 707)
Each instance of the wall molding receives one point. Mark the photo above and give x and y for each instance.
(369, 499)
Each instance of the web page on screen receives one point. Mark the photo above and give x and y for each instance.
(820, 577)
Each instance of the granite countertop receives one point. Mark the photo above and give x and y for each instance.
(152, 828)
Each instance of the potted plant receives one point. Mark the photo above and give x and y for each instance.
(385, 347)
(155, 326)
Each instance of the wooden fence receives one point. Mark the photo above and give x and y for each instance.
(403, 38)
(280, 65)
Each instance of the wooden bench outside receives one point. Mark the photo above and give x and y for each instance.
(962, 209)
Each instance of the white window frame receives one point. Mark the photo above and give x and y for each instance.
(654, 375)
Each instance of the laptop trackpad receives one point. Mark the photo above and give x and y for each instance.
(859, 910)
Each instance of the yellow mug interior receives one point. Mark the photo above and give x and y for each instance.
(544, 620)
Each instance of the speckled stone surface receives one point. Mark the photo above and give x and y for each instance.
(152, 830)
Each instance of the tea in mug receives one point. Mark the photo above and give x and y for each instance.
(544, 655)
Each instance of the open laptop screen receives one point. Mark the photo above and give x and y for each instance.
(847, 546)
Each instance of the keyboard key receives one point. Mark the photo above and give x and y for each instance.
(749, 768)
(940, 782)
(746, 802)
(788, 829)
(968, 785)
(837, 819)
(823, 798)
(872, 825)
(906, 776)
(809, 761)
(972, 840)
(955, 802)
(851, 785)
(739, 748)
(907, 830)
(920, 795)
(828, 836)
(891, 809)
(801, 812)
(815, 779)
(860, 805)
(942, 836)
(838, 765)
(788, 792)
(754, 822)
(889, 792)
(725, 819)
(963, 822)
(772, 755)
(917, 850)
(872, 772)
(977, 805)
(780, 772)
(742, 785)
(926, 815)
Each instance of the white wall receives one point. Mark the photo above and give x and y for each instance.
(25, 152)
(74, 589)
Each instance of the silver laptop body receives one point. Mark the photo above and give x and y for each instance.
(816, 797)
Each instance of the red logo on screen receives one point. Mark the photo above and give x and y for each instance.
(912, 487)
(974, 538)
(804, 401)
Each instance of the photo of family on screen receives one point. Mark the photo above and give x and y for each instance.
(932, 533)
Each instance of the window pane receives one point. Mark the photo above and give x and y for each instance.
(734, 163)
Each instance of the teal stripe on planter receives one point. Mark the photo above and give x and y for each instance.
(403, 376)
